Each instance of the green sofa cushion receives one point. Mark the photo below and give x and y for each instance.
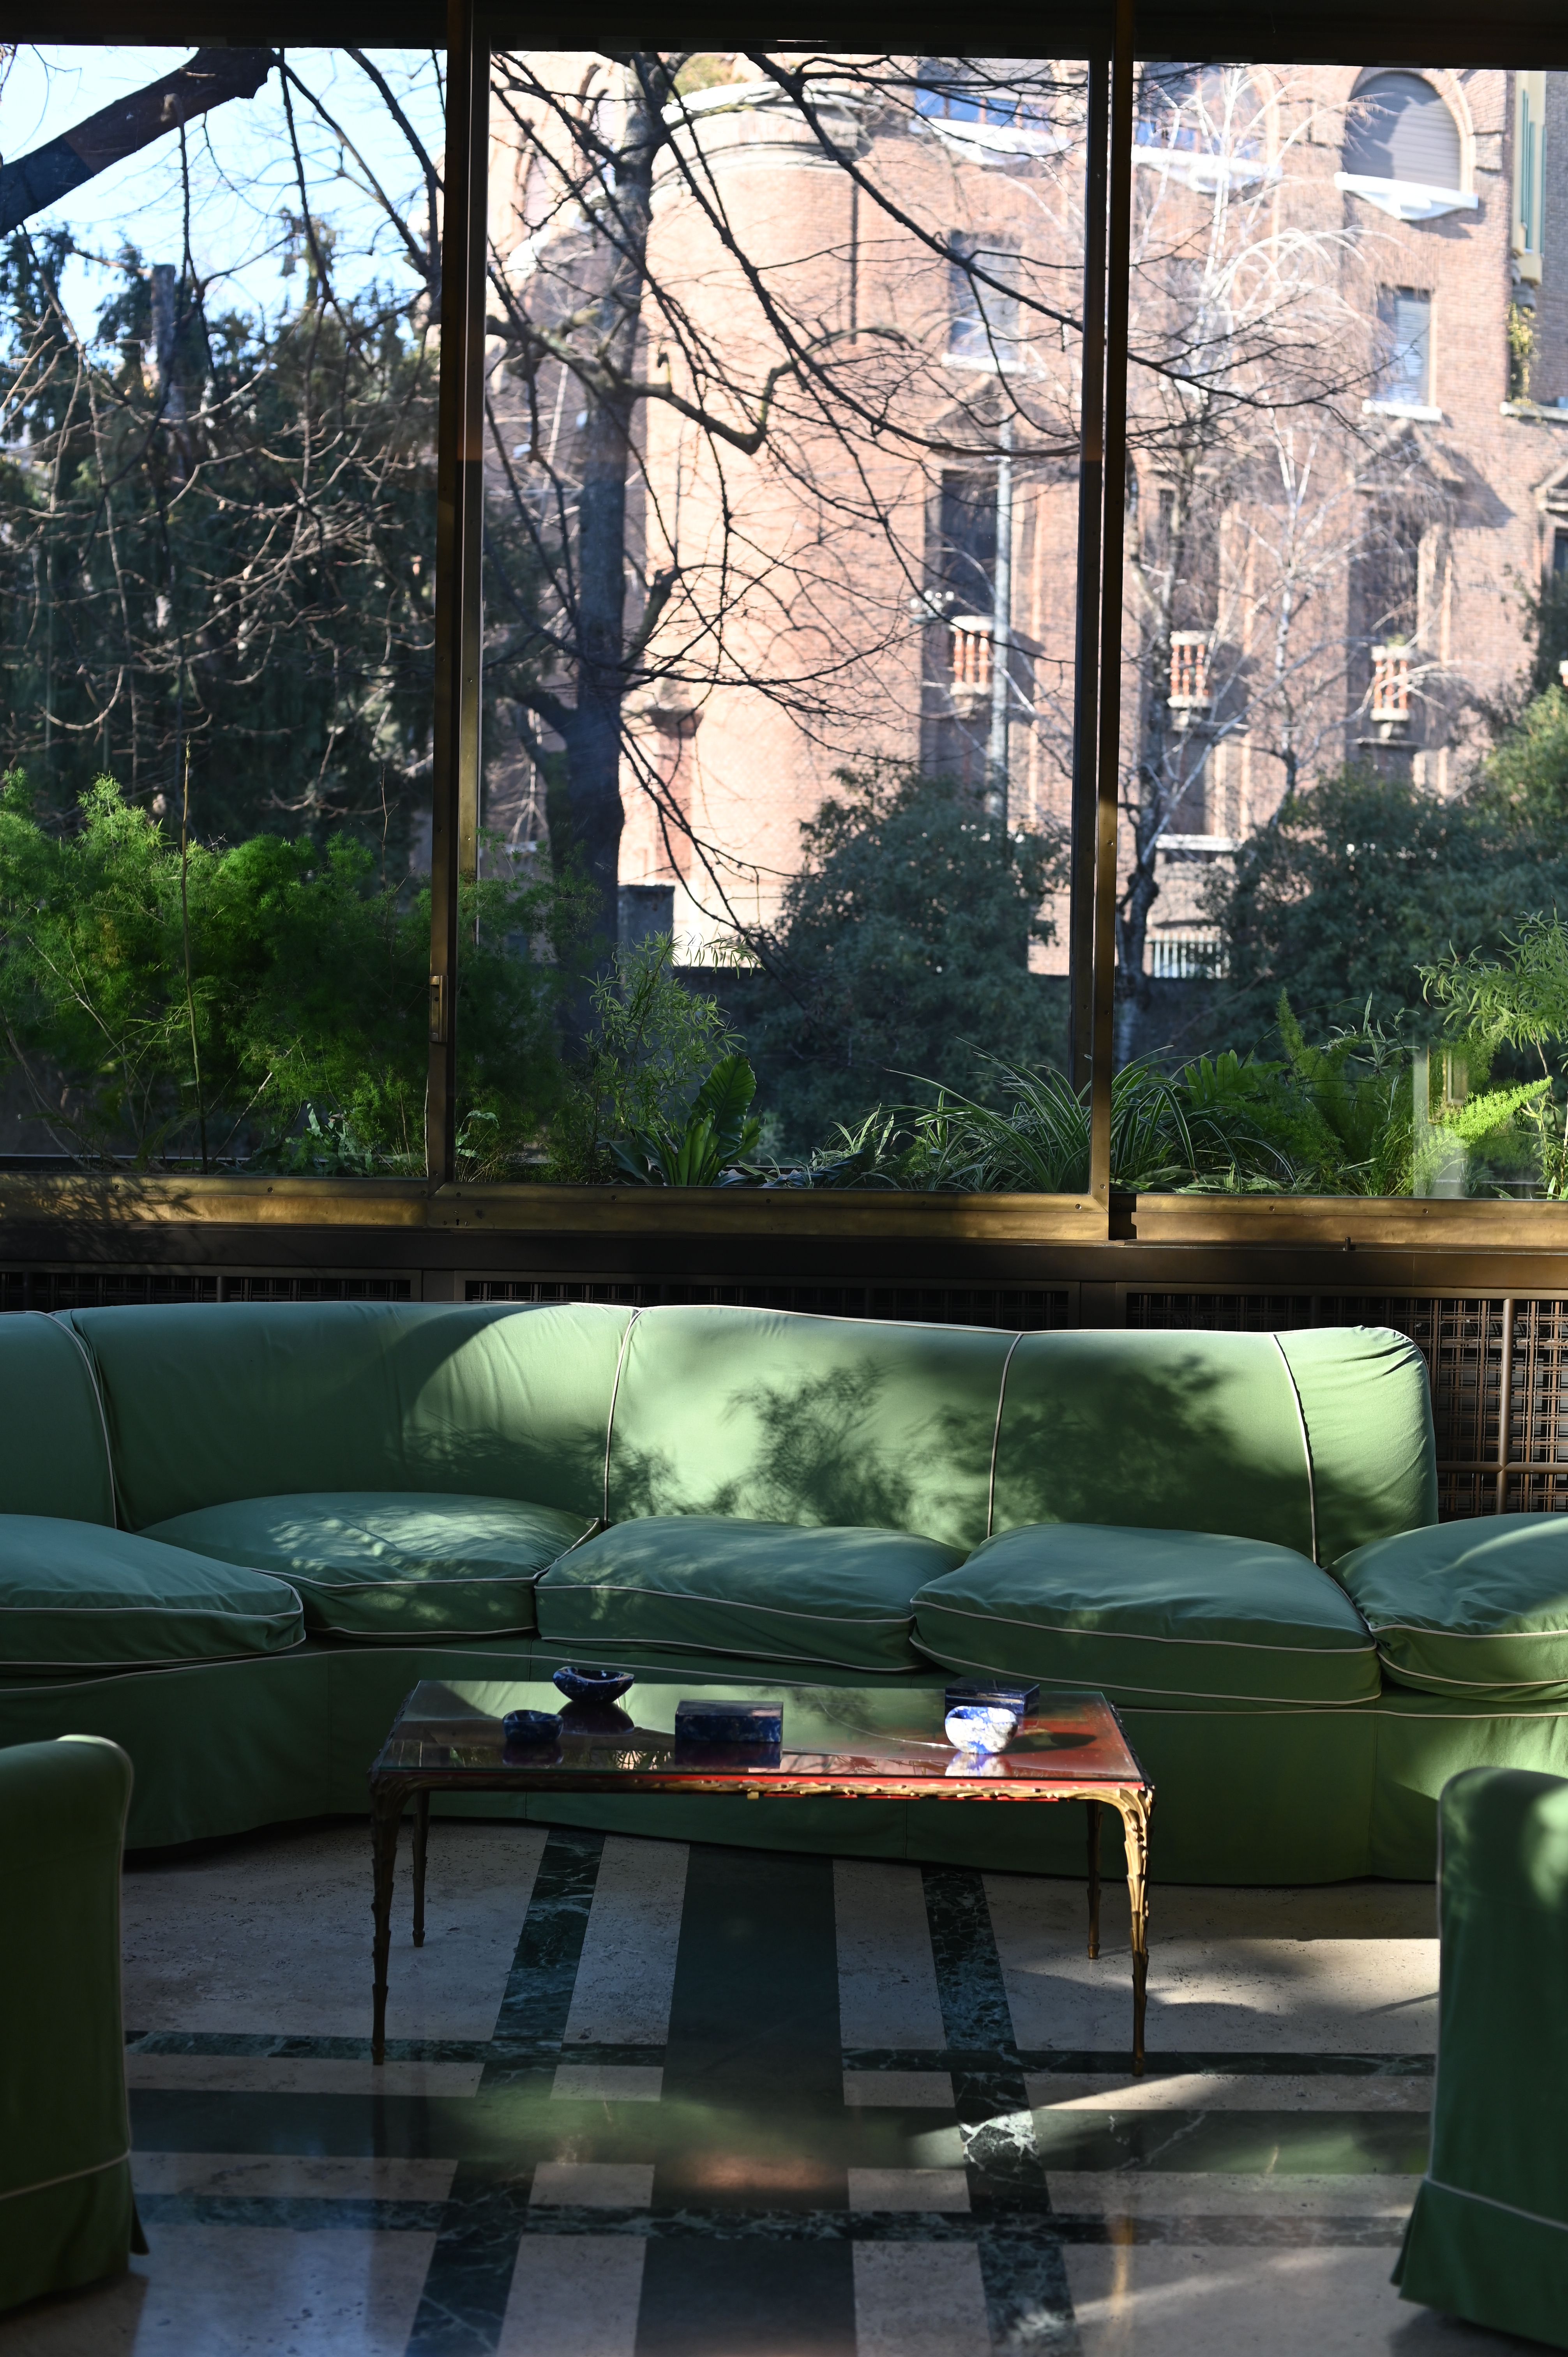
(209, 1402)
(54, 1458)
(771, 1591)
(1185, 1615)
(374, 1564)
(74, 1594)
(1317, 1440)
(1473, 1610)
(782, 1418)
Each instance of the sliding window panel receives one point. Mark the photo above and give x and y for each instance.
(1346, 611)
(782, 414)
(219, 358)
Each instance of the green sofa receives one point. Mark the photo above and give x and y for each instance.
(233, 1537)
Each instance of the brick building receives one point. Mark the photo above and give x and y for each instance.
(1363, 273)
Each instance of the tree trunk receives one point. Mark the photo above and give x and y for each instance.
(591, 732)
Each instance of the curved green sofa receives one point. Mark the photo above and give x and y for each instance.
(234, 1536)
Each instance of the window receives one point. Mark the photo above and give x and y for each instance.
(1529, 172)
(1404, 378)
(983, 313)
(1560, 553)
(951, 92)
(1402, 151)
(212, 327)
(1400, 129)
(758, 657)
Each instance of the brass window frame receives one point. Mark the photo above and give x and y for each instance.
(1110, 34)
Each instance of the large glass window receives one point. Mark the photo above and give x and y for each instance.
(219, 359)
(781, 519)
(1341, 888)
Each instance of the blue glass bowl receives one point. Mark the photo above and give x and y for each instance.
(595, 1685)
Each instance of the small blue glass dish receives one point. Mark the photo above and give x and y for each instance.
(530, 1729)
(593, 1683)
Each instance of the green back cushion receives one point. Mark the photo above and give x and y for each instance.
(1185, 1616)
(1475, 1610)
(209, 1402)
(1367, 1404)
(768, 1592)
(780, 1418)
(1212, 1431)
(73, 1594)
(54, 1454)
(389, 1564)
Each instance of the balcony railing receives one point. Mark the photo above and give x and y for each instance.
(1189, 671)
(972, 650)
(1391, 683)
(1193, 955)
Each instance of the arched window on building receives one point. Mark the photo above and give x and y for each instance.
(1402, 148)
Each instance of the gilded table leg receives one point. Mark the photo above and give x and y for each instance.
(1094, 1809)
(1134, 1808)
(387, 1804)
(421, 1839)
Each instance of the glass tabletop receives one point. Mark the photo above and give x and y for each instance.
(846, 1733)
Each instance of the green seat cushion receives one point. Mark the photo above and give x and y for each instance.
(771, 1591)
(1478, 1610)
(378, 1564)
(1182, 1615)
(74, 1594)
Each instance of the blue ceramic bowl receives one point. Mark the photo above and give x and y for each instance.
(531, 1727)
(594, 1684)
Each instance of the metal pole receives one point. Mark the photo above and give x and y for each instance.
(459, 541)
(1001, 629)
(1090, 520)
(1119, 243)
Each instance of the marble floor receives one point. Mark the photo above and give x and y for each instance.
(643, 2100)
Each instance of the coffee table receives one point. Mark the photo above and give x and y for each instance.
(848, 1743)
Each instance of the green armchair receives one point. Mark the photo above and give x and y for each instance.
(67, 2215)
(1487, 2239)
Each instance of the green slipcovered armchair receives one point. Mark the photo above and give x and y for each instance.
(1487, 2239)
(67, 2216)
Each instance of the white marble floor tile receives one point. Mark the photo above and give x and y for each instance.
(918, 2299)
(887, 1981)
(241, 2291)
(1138, 2300)
(341, 2177)
(1221, 2091)
(1205, 2193)
(1350, 1969)
(266, 2074)
(608, 2083)
(627, 1975)
(593, 2184)
(910, 2090)
(274, 1935)
(548, 2313)
(907, 2189)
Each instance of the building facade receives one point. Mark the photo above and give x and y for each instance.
(1348, 416)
